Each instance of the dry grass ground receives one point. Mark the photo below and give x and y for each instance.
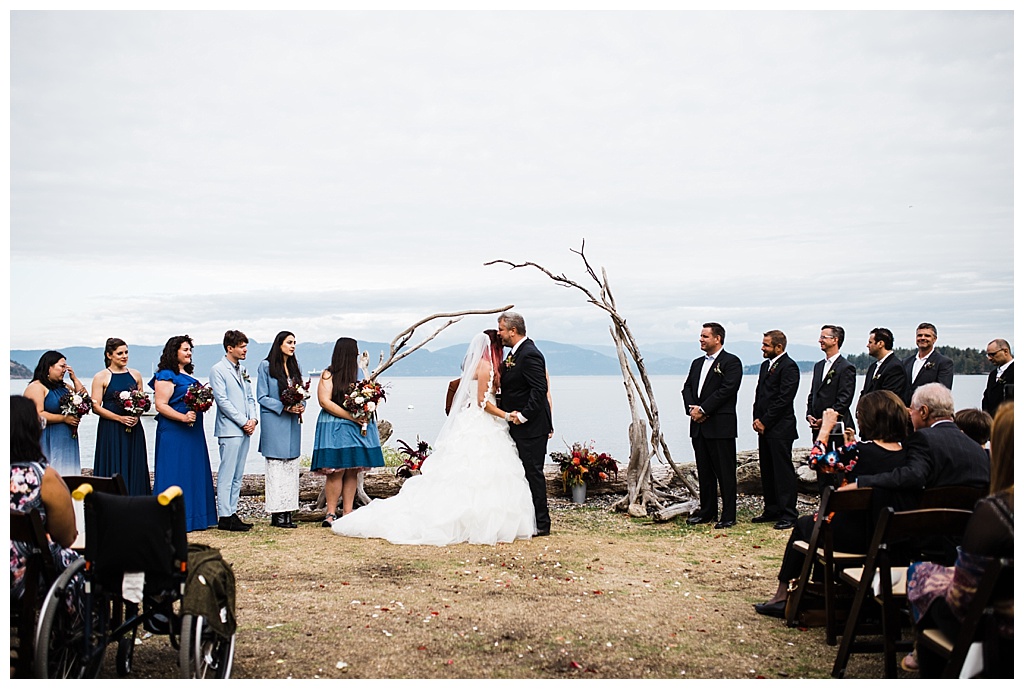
(604, 596)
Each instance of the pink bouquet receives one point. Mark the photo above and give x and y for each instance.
(135, 402)
(361, 400)
(76, 404)
(295, 394)
(198, 398)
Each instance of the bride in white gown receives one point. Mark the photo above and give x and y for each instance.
(473, 487)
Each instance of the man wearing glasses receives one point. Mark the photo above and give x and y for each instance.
(833, 383)
(1000, 381)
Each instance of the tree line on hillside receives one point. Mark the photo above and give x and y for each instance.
(965, 361)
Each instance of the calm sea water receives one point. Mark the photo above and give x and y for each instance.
(585, 408)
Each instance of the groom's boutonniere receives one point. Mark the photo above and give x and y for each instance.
(245, 375)
(717, 369)
(508, 361)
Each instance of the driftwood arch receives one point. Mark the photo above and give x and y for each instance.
(644, 493)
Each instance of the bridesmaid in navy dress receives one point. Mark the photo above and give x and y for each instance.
(47, 389)
(120, 438)
(181, 456)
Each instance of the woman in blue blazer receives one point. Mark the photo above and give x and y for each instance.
(280, 435)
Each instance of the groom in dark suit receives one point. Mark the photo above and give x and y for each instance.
(524, 399)
(709, 395)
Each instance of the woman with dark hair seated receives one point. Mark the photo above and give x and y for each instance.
(35, 485)
(883, 420)
(940, 596)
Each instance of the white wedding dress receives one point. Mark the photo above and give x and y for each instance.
(472, 487)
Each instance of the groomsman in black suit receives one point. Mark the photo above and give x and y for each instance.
(927, 366)
(775, 425)
(1000, 381)
(887, 372)
(709, 395)
(833, 382)
(524, 397)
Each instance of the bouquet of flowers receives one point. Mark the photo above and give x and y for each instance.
(361, 400)
(198, 398)
(581, 464)
(76, 404)
(295, 394)
(413, 459)
(135, 402)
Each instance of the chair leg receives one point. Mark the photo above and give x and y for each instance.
(850, 631)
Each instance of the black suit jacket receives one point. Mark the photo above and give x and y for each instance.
(938, 456)
(717, 398)
(996, 391)
(524, 388)
(889, 376)
(835, 392)
(936, 369)
(773, 399)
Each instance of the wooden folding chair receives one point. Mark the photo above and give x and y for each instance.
(980, 616)
(821, 549)
(894, 529)
(27, 527)
(953, 497)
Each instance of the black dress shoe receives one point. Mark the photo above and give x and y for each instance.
(699, 520)
(784, 524)
(771, 609)
(763, 519)
(239, 524)
(229, 524)
(546, 532)
(725, 524)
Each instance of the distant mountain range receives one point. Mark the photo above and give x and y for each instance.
(562, 359)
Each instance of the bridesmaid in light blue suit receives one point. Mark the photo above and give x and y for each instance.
(280, 433)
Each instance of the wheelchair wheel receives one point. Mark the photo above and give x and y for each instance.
(61, 651)
(204, 653)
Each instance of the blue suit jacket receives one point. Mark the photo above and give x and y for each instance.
(235, 403)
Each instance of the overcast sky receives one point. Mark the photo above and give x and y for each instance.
(350, 173)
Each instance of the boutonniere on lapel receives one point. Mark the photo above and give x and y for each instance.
(928, 365)
(771, 369)
(245, 375)
(508, 361)
(875, 377)
(828, 376)
(717, 369)
(1000, 380)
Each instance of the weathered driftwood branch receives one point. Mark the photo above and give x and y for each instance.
(644, 494)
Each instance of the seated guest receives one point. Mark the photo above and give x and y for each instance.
(35, 485)
(883, 422)
(938, 453)
(975, 423)
(940, 596)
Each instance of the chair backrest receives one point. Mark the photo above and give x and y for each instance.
(955, 497)
(998, 577)
(27, 527)
(833, 501)
(135, 534)
(897, 534)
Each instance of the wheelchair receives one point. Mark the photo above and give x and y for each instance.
(133, 573)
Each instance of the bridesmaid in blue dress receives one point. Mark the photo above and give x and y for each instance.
(181, 456)
(47, 389)
(120, 438)
(340, 450)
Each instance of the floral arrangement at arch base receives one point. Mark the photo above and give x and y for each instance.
(583, 465)
(412, 458)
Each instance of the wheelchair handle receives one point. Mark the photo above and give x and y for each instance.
(80, 492)
(168, 495)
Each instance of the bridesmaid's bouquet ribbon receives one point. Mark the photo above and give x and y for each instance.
(361, 401)
(76, 404)
(295, 394)
(134, 402)
(198, 398)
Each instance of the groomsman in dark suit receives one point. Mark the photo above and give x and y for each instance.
(927, 366)
(887, 372)
(1000, 381)
(709, 395)
(833, 382)
(775, 425)
(524, 398)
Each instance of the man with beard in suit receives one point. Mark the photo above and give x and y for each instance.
(887, 372)
(927, 366)
(1000, 381)
(709, 394)
(775, 425)
(524, 398)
